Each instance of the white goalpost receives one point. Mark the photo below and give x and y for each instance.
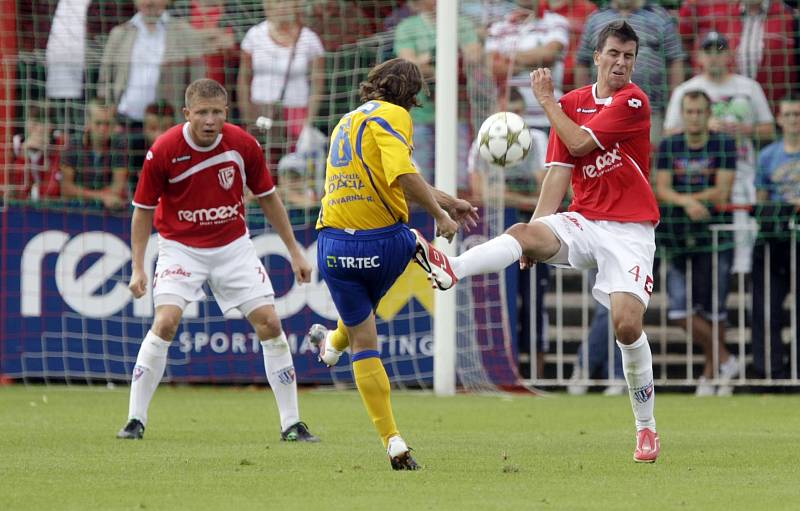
(444, 320)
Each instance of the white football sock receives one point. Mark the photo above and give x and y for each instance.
(280, 374)
(150, 364)
(637, 364)
(492, 256)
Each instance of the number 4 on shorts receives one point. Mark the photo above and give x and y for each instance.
(635, 272)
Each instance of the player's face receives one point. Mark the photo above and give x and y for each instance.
(696, 114)
(789, 117)
(206, 118)
(615, 63)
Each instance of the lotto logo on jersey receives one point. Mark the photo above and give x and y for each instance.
(605, 162)
(648, 285)
(226, 176)
(206, 215)
(635, 103)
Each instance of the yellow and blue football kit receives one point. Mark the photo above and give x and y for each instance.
(364, 244)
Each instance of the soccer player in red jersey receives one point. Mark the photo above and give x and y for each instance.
(600, 141)
(192, 185)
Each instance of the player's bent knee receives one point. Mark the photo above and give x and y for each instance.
(627, 328)
(167, 320)
(266, 322)
(536, 239)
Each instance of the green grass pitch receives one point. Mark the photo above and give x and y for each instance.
(218, 448)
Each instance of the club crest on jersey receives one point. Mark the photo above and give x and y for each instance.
(226, 177)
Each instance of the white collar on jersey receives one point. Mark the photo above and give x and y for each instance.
(598, 101)
(188, 137)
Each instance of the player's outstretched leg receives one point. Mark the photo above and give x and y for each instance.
(494, 255)
(329, 343)
(147, 373)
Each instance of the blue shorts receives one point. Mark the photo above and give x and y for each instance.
(359, 268)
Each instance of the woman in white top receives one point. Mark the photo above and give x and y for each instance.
(282, 63)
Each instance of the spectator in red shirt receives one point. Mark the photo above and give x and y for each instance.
(761, 34)
(34, 173)
(576, 12)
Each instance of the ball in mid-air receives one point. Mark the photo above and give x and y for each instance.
(504, 139)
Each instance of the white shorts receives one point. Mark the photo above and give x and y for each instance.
(622, 252)
(234, 273)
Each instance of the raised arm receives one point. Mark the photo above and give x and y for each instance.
(577, 141)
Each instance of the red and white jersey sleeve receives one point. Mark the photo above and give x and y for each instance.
(557, 153)
(612, 182)
(259, 180)
(198, 192)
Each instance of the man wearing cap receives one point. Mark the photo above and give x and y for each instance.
(739, 109)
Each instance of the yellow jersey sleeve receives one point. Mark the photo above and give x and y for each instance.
(393, 133)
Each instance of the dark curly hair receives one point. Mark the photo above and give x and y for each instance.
(397, 81)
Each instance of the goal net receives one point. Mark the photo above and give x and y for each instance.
(67, 313)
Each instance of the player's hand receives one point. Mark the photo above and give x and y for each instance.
(696, 211)
(138, 283)
(526, 262)
(446, 227)
(301, 268)
(542, 84)
(465, 214)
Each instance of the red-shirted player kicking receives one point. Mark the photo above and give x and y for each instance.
(193, 182)
(600, 140)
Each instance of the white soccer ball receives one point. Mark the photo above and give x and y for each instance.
(504, 139)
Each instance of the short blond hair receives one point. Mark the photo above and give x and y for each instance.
(205, 88)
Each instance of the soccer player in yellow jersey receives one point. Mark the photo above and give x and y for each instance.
(364, 241)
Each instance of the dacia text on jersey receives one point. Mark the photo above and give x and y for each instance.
(349, 182)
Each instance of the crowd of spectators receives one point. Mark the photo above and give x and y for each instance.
(716, 72)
